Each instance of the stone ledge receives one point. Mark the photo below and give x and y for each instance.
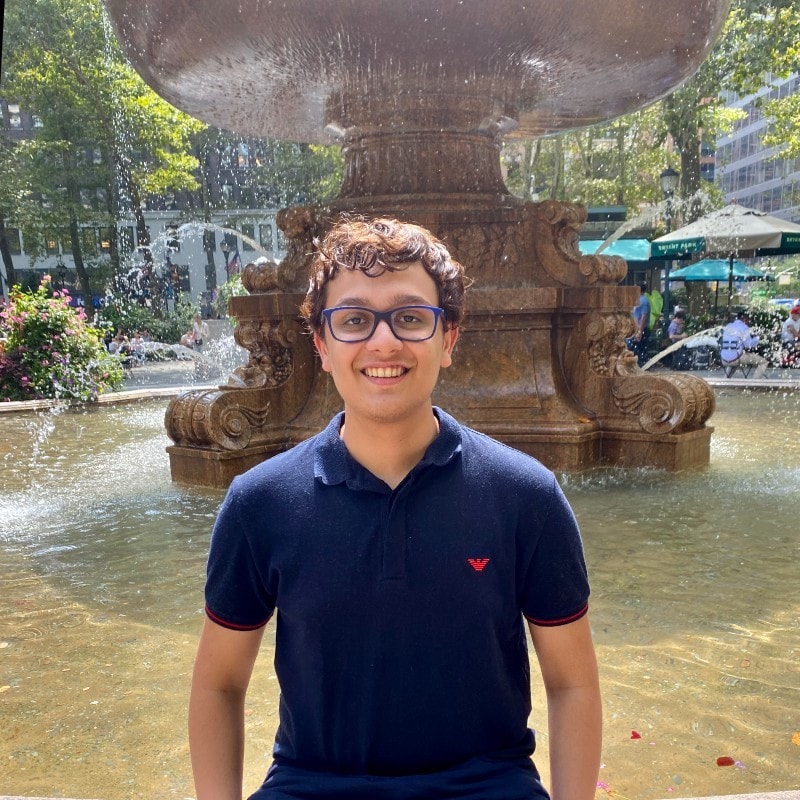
(790, 795)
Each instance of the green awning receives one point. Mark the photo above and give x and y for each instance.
(629, 249)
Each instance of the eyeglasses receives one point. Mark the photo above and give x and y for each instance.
(407, 323)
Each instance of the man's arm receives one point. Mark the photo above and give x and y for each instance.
(569, 670)
(222, 670)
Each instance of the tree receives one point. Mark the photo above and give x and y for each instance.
(619, 162)
(117, 142)
(758, 40)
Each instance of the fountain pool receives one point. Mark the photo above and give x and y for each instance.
(696, 609)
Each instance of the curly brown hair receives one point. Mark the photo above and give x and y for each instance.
(377, 246)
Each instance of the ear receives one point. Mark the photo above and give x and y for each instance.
(449, 343)
(322, 349)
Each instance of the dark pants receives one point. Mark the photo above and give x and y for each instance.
(640, 346)
(476, 779)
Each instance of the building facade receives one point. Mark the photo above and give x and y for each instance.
(750, 173)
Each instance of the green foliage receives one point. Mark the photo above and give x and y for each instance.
(297, 174)
(62, 63)
(766, 320)
(233, 287)
(127, 315)
(49, 350)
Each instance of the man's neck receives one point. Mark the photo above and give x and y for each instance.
(389, 450)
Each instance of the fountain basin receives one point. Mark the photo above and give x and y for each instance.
(695, 609)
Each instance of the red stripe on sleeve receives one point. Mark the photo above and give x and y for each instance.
(551, 623)
(232, 625)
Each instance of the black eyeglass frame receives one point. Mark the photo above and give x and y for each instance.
(385, 316)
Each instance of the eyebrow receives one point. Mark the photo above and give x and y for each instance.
(396, 301)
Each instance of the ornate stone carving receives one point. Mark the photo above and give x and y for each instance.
(605, 377)
(269, 344)
(216, 418)
(300, 225)
(606, 350)
(553, 229)
(260, 276)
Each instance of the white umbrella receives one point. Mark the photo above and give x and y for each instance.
(731, 231)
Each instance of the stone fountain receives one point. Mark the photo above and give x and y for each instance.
(420, 95)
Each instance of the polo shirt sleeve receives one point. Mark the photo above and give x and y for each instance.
(236, 594)
(555, 587)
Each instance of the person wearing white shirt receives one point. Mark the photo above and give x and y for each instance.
(790, 332)
(737, 342)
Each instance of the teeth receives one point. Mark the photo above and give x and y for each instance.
(384, 372)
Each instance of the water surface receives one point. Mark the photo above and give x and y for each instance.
(695, 610)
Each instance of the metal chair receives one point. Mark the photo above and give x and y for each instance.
(730, 365)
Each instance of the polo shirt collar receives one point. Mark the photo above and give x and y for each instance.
(333, 464)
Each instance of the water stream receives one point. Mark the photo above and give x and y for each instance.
(695, 609)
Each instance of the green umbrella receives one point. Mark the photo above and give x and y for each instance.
(717, 270)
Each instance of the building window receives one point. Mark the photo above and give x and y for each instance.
(14, 241)
(14, 118)
(105, 240)
(250, 231)
(265, 236)
(51, 243)
(89, 241)
(173, 242)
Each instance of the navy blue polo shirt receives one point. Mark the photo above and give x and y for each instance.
(400, 642)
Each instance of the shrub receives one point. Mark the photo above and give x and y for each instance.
(123, 314)
(49, 351)
(233, 287)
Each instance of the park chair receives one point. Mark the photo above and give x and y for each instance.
(732, 344)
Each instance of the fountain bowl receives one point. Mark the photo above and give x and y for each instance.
(315, 71)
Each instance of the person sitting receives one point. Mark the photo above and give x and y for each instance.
(187, 340)
(676, 331)
(682, 358)
(120, 346)
(137, 347)
(790, 338)
(738, 344)
(199, 332)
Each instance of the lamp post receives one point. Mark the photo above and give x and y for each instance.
(61, 269)
(668, 180)
(225, 246)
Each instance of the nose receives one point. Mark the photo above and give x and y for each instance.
(383, 338)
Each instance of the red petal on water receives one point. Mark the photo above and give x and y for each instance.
(725, 761)
(636, 735)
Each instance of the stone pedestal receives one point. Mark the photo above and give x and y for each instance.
(541, 362)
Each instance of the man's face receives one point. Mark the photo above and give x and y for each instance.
(385, 379)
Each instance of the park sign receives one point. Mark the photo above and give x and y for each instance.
(679, 249)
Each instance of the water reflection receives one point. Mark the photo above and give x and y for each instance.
(695, 609)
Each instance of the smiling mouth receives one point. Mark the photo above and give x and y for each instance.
(384, 372)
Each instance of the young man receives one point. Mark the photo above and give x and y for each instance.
(402, 552)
